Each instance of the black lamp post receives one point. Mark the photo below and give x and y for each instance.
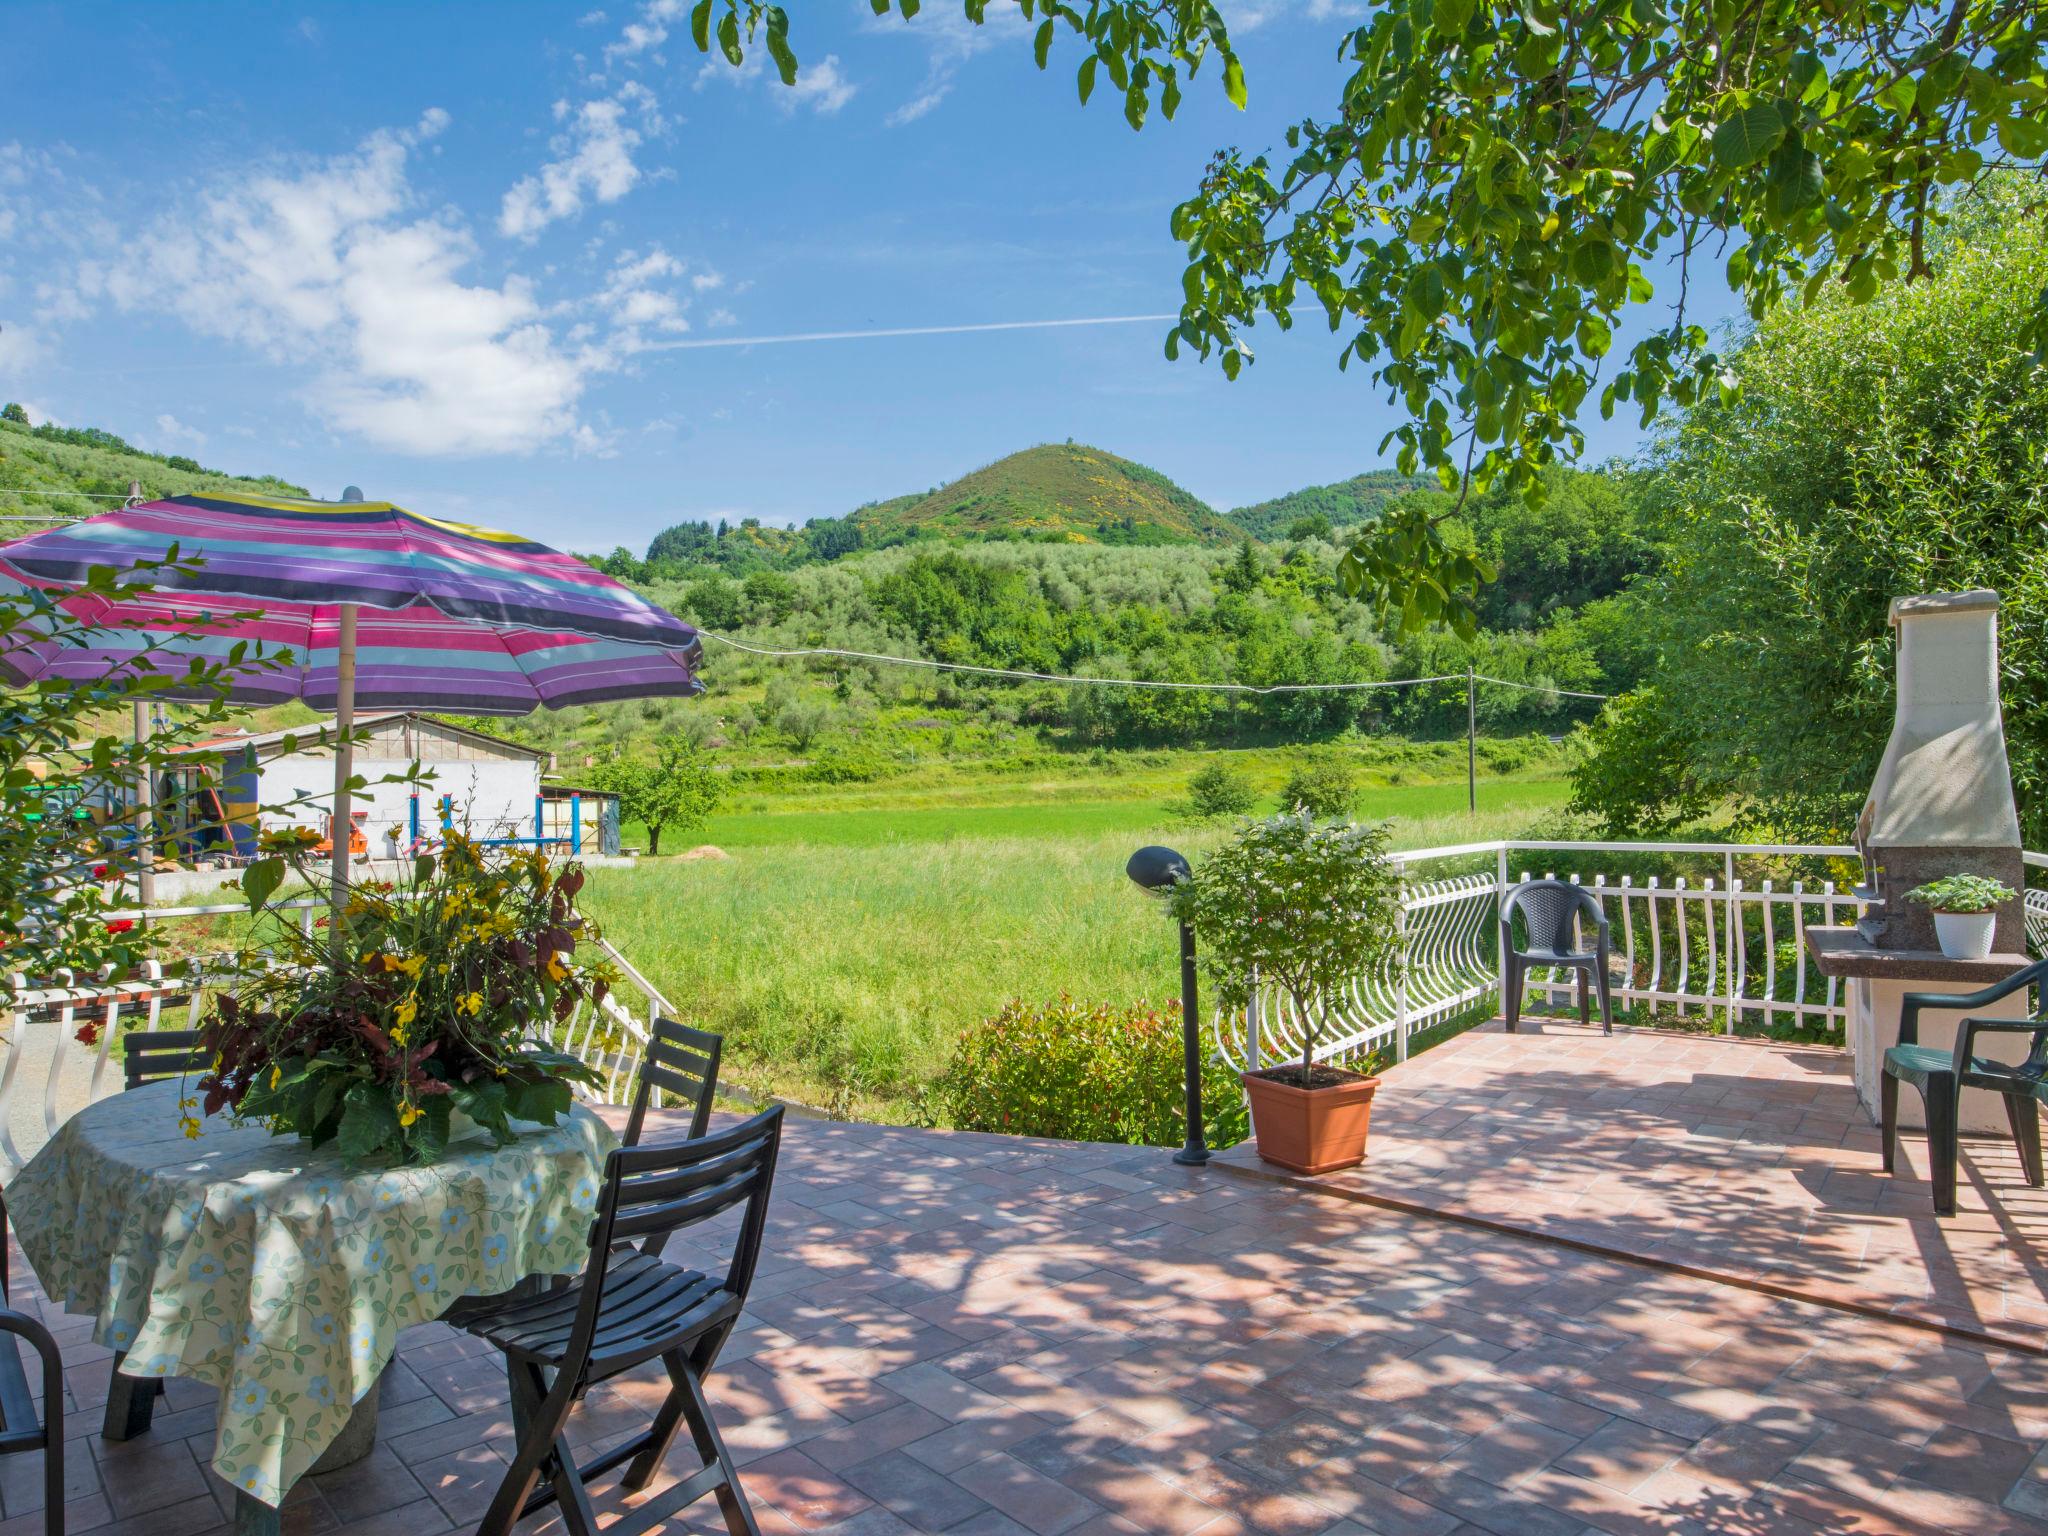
(1159, 869)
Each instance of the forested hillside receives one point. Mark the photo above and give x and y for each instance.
(1319, 508)
(56, 472)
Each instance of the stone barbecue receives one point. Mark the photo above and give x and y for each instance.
(1942, 801)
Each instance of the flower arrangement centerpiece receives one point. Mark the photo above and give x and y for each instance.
(421, 1009)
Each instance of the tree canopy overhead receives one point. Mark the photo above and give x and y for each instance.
(1475, 213)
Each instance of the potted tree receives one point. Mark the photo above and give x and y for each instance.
(1306, 907)
(1965, 912)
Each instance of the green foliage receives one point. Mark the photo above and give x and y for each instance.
(679, 789)
(1298, 904)
(1963, 894)
(428, 1000)
(42, 468)
(1889, 447)
(1063, 491)
(1342, 505)
(1502, 178)
(1324, 787)
(1217, 790)
(69, 770)
(14, 412)
(1084, 1072)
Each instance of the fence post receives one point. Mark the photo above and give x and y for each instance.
(1734, 937)
(575, 823)
(1401, 985)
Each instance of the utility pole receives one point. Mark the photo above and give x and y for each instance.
(1471, 739)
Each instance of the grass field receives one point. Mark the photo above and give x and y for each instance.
(842, 947)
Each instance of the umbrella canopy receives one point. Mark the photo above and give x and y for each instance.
(376, 605)
(406, 658)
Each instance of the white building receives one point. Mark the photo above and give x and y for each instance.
(485, 787)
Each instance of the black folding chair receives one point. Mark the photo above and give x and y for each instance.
(682, 1061)
(147, 1056)
(152, 1055)
(628, 1307)
(1549, 911)
(20, 1429)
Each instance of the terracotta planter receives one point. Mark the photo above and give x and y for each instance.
(1311, 1130)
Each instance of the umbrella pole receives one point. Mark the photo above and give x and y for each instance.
(344, 768)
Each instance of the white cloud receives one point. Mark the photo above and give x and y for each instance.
(332, 267)
(822, 87)
(21, 348)
(594, 158)
(949, 40)
(172, 433)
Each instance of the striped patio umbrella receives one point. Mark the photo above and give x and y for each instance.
(355, 602)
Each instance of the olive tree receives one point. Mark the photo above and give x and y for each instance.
(1298, 904)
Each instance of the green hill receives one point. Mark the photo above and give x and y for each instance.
(1065, 491)
(41, 468)
(1345, 503)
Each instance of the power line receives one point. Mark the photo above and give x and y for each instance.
(1017, 675)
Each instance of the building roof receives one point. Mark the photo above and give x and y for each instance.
(263, 741)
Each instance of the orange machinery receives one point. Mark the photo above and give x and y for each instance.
(358, 842)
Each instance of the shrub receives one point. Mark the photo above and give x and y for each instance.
(1078, 1071)
(1219, 790)
(1323, 786)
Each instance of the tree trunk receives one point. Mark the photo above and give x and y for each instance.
(653, 841)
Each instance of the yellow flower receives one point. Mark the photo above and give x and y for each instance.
(276, 1076)
(407, 1113)
(189, 1124)
(556, 970)
(408, 1010)
(412, 965)
(473, 1003)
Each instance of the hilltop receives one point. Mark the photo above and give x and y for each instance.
(1064, 491)
(42, 467)
(1344, 504)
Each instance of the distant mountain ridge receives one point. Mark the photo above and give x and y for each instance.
(1345, 503)
(1067, 491)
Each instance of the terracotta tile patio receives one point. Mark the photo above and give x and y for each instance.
(1749, 1162)
(984, 1337)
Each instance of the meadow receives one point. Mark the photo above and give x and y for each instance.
(843, 943)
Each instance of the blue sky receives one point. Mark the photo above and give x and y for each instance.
(466, 257)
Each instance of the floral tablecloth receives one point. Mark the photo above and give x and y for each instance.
(245, 1260)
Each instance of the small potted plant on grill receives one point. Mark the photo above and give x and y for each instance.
(1303, 908)
(1965, 912)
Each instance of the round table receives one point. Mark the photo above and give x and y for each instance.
(274, 1272)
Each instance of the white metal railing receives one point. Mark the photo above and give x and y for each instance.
(1710, 938)
(49, 1074)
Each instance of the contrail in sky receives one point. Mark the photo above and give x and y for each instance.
(900, 330)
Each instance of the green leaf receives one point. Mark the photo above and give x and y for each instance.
(729, 38)
(1041, 45)
(1233, 82)
(261, 880)
(1085, 80)
(700, 25)
(1795, 180)
(369, 1122)
(1748, 136)
(544, 1101)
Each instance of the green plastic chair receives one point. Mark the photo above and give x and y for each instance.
(1941, 1076)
